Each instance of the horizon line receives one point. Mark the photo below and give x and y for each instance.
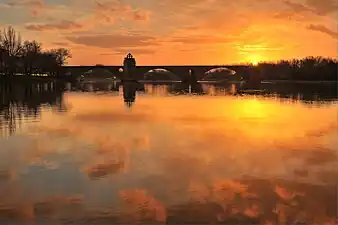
(98, 65)
(247, 63)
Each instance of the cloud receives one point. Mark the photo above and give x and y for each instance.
(140, 15)
(38, 3)
(63, 25)
(61, 43)
(318, 7)
(113, 41)
(297, 7)
(323, 7)
(100, 13)
(200, 40)
(34, 6)
(255, 48)
(4, 5)
(115, 10)
(136, 51)
(324, 30)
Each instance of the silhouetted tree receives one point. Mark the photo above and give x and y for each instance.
(309, 68)
(3, 55)
(31, 51)
(11, 45)
(28, 57)
(60, 55)
(47, 63)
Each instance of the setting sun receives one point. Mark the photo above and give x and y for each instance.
(255, 59)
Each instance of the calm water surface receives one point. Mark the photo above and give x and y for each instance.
(167, 154)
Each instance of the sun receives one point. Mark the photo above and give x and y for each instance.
(255, 59)
(255, 62)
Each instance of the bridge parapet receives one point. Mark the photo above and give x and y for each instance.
(180, 71)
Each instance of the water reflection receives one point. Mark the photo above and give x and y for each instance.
(194, 88)
(214, 158)
(129, 92)
(23, 102)
(306, 92)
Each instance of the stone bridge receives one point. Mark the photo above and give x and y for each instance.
(180, 71)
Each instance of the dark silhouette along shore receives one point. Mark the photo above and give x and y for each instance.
(22, 60)
(28, 58)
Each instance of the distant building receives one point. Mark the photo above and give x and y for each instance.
(129, 67)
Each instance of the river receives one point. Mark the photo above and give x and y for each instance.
(168, 154)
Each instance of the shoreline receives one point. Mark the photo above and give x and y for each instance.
(14, 79)
(300, 81)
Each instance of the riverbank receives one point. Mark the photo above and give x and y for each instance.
(301, 81)
(33, 79)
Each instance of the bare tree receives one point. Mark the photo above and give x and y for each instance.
(31, 50)
(10, 43)
(61, 55)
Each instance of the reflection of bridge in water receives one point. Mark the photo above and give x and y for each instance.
(129, 90)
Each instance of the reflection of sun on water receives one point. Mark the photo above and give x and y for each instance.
(254, 109)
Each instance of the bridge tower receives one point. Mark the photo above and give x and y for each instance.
(129, 68)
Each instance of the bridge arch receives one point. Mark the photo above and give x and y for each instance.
(218, 74)
(98, 73)
(161, 74)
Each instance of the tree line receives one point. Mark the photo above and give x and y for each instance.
(309, 68)
(28, 57)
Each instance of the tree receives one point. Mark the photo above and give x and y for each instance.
(47, 63)
(3, 55)
(11, 45)
(60, 55)
(28, 57)
(31, 50)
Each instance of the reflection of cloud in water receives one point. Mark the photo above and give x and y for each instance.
(103, 169)
(45, 164)
(328, 176)
(46, 210)
(58, 206)
(111, 117)
(247, 201)
(208, 159)
(7, 175)
(138, 205)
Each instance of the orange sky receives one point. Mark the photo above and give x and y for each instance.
(177, 31)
